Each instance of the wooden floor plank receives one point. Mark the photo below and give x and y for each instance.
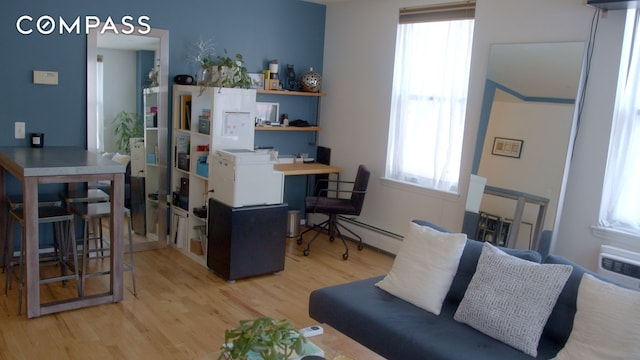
(182, 309)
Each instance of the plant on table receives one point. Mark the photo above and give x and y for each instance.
(266, 337)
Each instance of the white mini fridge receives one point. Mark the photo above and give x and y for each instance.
(244, 178)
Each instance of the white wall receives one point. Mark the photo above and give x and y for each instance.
(119, 89)
(545, 129)
(357, 76)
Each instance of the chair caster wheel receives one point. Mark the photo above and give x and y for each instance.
(360, 246)
(345, 256)
(305, 253)
(299, 241)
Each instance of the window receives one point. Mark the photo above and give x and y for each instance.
(429, 97)
(620, 209)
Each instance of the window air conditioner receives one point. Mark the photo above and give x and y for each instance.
(614, 4)
(619, 265)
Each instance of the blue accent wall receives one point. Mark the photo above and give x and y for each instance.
(291, 31)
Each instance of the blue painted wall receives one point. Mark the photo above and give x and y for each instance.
(291, 31)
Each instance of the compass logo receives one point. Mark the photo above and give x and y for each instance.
(47, 25)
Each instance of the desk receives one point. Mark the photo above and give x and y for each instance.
(306, 169)
(34, 166)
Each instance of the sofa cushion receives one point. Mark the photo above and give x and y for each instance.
(606, 324)
(510, 299)
(469, 262)
(560, 321)
(424, 267)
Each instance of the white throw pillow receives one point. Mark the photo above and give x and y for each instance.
(606, 324)
(424, 267)
(510, 299)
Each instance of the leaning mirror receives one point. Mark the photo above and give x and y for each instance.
(127, 107)
(527, 119)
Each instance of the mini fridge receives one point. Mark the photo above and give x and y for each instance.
(246, 241)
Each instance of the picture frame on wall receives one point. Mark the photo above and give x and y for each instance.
(507, 147)
(257, 80)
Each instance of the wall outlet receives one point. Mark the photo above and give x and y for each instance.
(19, 130)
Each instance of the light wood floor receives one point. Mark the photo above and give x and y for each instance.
(181, 309)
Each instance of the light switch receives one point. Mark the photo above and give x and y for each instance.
(19, 130)
(45, 77)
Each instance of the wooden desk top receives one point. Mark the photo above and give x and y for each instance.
(306, 169)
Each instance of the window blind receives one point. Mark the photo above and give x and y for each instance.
(438, 12)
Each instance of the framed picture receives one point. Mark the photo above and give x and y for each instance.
(507, 147)
(267, 113)
(257, 80)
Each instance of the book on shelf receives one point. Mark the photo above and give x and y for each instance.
(185, 112)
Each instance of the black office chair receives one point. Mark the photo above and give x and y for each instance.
(335, 206)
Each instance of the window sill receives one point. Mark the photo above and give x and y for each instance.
(613, 237)
(405, 186)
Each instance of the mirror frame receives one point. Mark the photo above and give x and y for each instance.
(485, 114)
(163, 116)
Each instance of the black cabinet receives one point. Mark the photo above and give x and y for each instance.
(246, 241)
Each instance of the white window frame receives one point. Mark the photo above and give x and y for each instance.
(432, 160)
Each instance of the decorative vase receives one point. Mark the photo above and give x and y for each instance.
(205, 75)
(311, 81)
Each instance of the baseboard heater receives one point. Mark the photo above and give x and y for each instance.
(371, 228)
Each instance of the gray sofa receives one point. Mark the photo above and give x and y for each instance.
(396, 329)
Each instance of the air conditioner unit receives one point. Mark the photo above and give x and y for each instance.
(614, 4)
(619, 265)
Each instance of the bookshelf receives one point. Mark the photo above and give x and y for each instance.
(151, 169)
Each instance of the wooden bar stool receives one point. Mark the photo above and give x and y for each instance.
(90, 212)
(64, 243)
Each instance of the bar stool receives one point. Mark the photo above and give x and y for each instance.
(88, 196)
(64, 240)
(89, 212)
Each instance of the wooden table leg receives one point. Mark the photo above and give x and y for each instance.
(32, 263)
(117, 231)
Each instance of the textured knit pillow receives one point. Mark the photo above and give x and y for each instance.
(606, 324)
(510, 299)
(424, 267)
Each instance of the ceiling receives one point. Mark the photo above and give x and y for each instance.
(548, 70)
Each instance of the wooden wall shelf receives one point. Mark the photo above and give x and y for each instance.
(288, 128)
(288, 92)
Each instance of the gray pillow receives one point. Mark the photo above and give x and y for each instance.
(510, 299)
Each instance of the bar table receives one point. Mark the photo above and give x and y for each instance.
(62, 165)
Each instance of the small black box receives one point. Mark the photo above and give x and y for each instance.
(183, 161)
(181, 201)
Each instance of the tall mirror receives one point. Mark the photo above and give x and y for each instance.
(127, 120)
(524, 138)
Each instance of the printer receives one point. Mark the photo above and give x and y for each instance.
(239, 177)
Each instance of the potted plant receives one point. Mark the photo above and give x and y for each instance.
(126, 125)
(263, 338)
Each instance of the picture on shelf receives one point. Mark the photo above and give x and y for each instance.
(257, 80)
(267, 114)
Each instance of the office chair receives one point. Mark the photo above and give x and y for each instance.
(335, 206)
(323, 156)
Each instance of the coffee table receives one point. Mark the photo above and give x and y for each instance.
(337, 346)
